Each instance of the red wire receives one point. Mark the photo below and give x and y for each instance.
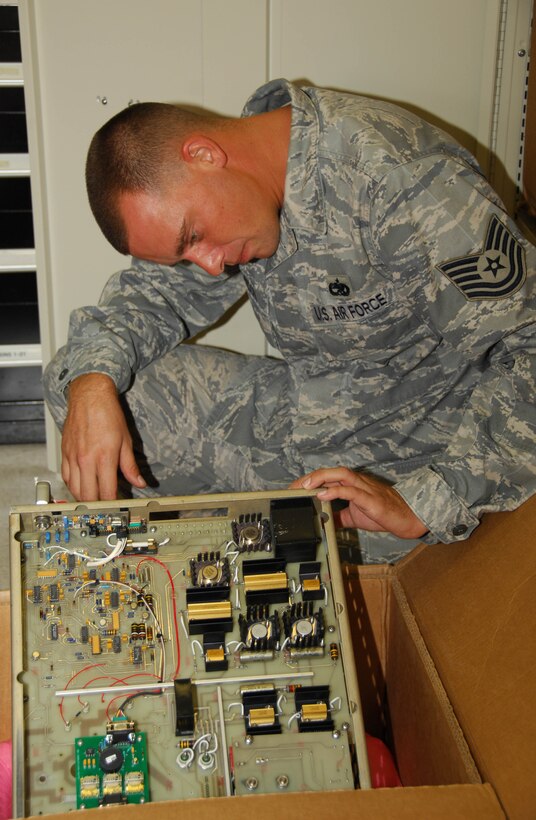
(90, 666)
(150, 558)
(116, 680)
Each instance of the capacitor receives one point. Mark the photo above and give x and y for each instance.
(42, 492)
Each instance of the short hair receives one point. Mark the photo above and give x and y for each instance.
(136, 150)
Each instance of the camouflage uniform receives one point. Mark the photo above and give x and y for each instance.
(401, 298)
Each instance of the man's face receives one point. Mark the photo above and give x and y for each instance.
(214, 217)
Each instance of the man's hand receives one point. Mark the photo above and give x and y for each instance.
(96, 441)
(373, 505)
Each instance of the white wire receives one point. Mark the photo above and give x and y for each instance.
(195, 641)
(293, 717)
(184, 764)
(116, 551)
(59, 549)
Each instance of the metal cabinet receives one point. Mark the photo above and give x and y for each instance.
(21, 394)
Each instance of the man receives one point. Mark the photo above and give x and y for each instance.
(378, 261)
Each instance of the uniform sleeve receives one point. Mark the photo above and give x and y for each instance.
(438, 232)
(143, 313)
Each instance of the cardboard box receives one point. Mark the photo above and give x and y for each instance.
(446, 659)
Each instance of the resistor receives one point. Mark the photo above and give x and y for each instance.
(149, 600)
(185, 744)
(149, 634)
(334, 652)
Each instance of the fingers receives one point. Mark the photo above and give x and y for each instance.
(129, 467)
(328, 475)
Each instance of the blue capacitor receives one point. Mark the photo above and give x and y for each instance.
(66, 536)
(47, 537)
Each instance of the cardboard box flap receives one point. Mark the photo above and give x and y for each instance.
(475, 605)
(440, 803)
(403, 698)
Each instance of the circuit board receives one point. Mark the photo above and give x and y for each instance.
(180, 648)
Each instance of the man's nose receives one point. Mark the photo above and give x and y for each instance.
(210, 259)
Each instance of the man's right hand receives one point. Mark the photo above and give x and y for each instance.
(96, 441)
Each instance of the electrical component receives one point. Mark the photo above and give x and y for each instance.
(295, 529)
(259, 632)
(265, 581)
(304, 629)
(112, 768)
(208, 570)
(313, 708)
(252, 533)
(185, 705)
(310, 582)
(260, 712)
(209, 616)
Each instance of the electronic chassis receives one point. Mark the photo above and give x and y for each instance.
(174, 648)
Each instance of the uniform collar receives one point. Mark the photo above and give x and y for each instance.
(303, 206)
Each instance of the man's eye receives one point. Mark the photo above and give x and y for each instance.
(194, 237)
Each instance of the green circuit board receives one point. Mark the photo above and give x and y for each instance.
(112, 768)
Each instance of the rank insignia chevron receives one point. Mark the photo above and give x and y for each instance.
(497, 271)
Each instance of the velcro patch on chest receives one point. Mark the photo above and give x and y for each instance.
(495, 272)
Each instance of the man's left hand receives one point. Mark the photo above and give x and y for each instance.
(373, 505)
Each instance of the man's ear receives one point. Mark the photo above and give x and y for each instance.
(201, 149)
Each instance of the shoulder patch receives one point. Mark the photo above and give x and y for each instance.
(495, 272)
